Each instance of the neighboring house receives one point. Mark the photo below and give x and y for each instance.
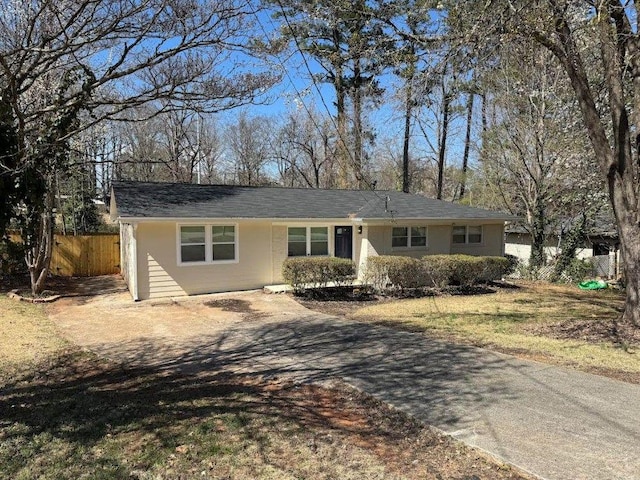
(601, 245)
(183, 239)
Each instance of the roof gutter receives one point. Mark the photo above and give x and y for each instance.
(356, 220)
(123, 219)
(459, 221)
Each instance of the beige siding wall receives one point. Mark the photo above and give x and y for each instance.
(439, 239)
(379, 241)
(357, 247)
(161, 276)
(278, 251)
(262, 247)
(492, 241)
(374, 243)
(376, 240)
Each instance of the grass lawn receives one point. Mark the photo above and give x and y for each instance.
(69, 415)
(555, 323)
(26, 335)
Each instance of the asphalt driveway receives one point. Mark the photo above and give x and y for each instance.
(555, 423)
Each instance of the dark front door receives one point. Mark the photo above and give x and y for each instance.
(344, 242)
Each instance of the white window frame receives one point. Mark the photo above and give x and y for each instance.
(208, 243)
(409, 237)
(308, 240)
(466, 235)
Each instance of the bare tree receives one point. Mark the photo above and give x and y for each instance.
(211, 148)
(249, 141)
(67, 66)
(531, 154)
(137, 155)
(306, 150)
(436, 116)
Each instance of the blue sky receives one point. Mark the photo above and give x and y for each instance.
(297, 86)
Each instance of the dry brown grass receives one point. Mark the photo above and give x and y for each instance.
(27, 336)
(532, 321)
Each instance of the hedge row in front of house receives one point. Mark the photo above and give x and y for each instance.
(317, 272)
(436, 271)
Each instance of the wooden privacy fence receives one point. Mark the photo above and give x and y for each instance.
(86, 255)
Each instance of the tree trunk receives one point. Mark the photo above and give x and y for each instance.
(446, 107)
(483, 110)
(357, 126)
(467, 146)
(630, 251)
(615, 162)
(407, 134)
(538, 258)
(569, 247)
(342, 153)
(40, 245)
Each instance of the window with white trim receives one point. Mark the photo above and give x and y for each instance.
(319, 241)
(467, 234)
(223, 242)
(418, 237)
(201, 244)
(302, 241)
(400, 237)
(193, 244)
(407, 237)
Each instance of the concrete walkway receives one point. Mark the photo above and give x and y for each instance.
(552, 422)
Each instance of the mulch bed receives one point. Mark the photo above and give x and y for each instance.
(341, 301)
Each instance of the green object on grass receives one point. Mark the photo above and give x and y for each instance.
(593, 285)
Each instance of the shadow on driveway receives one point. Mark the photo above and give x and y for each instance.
(403, 369)
(556, 423)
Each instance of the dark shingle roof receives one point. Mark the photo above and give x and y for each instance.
(182, 200)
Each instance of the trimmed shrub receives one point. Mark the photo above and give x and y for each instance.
(388, 272)
(396, 272)
(495, 268)
(317, 272)
(439, 269)
(467, 270)
(377, 272)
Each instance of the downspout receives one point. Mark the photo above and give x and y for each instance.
(134, 273)
(364, 251)
(271, 253)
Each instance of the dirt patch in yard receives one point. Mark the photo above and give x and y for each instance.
(340, 308)
(235, 305)
(607, 331)
(69, 286)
